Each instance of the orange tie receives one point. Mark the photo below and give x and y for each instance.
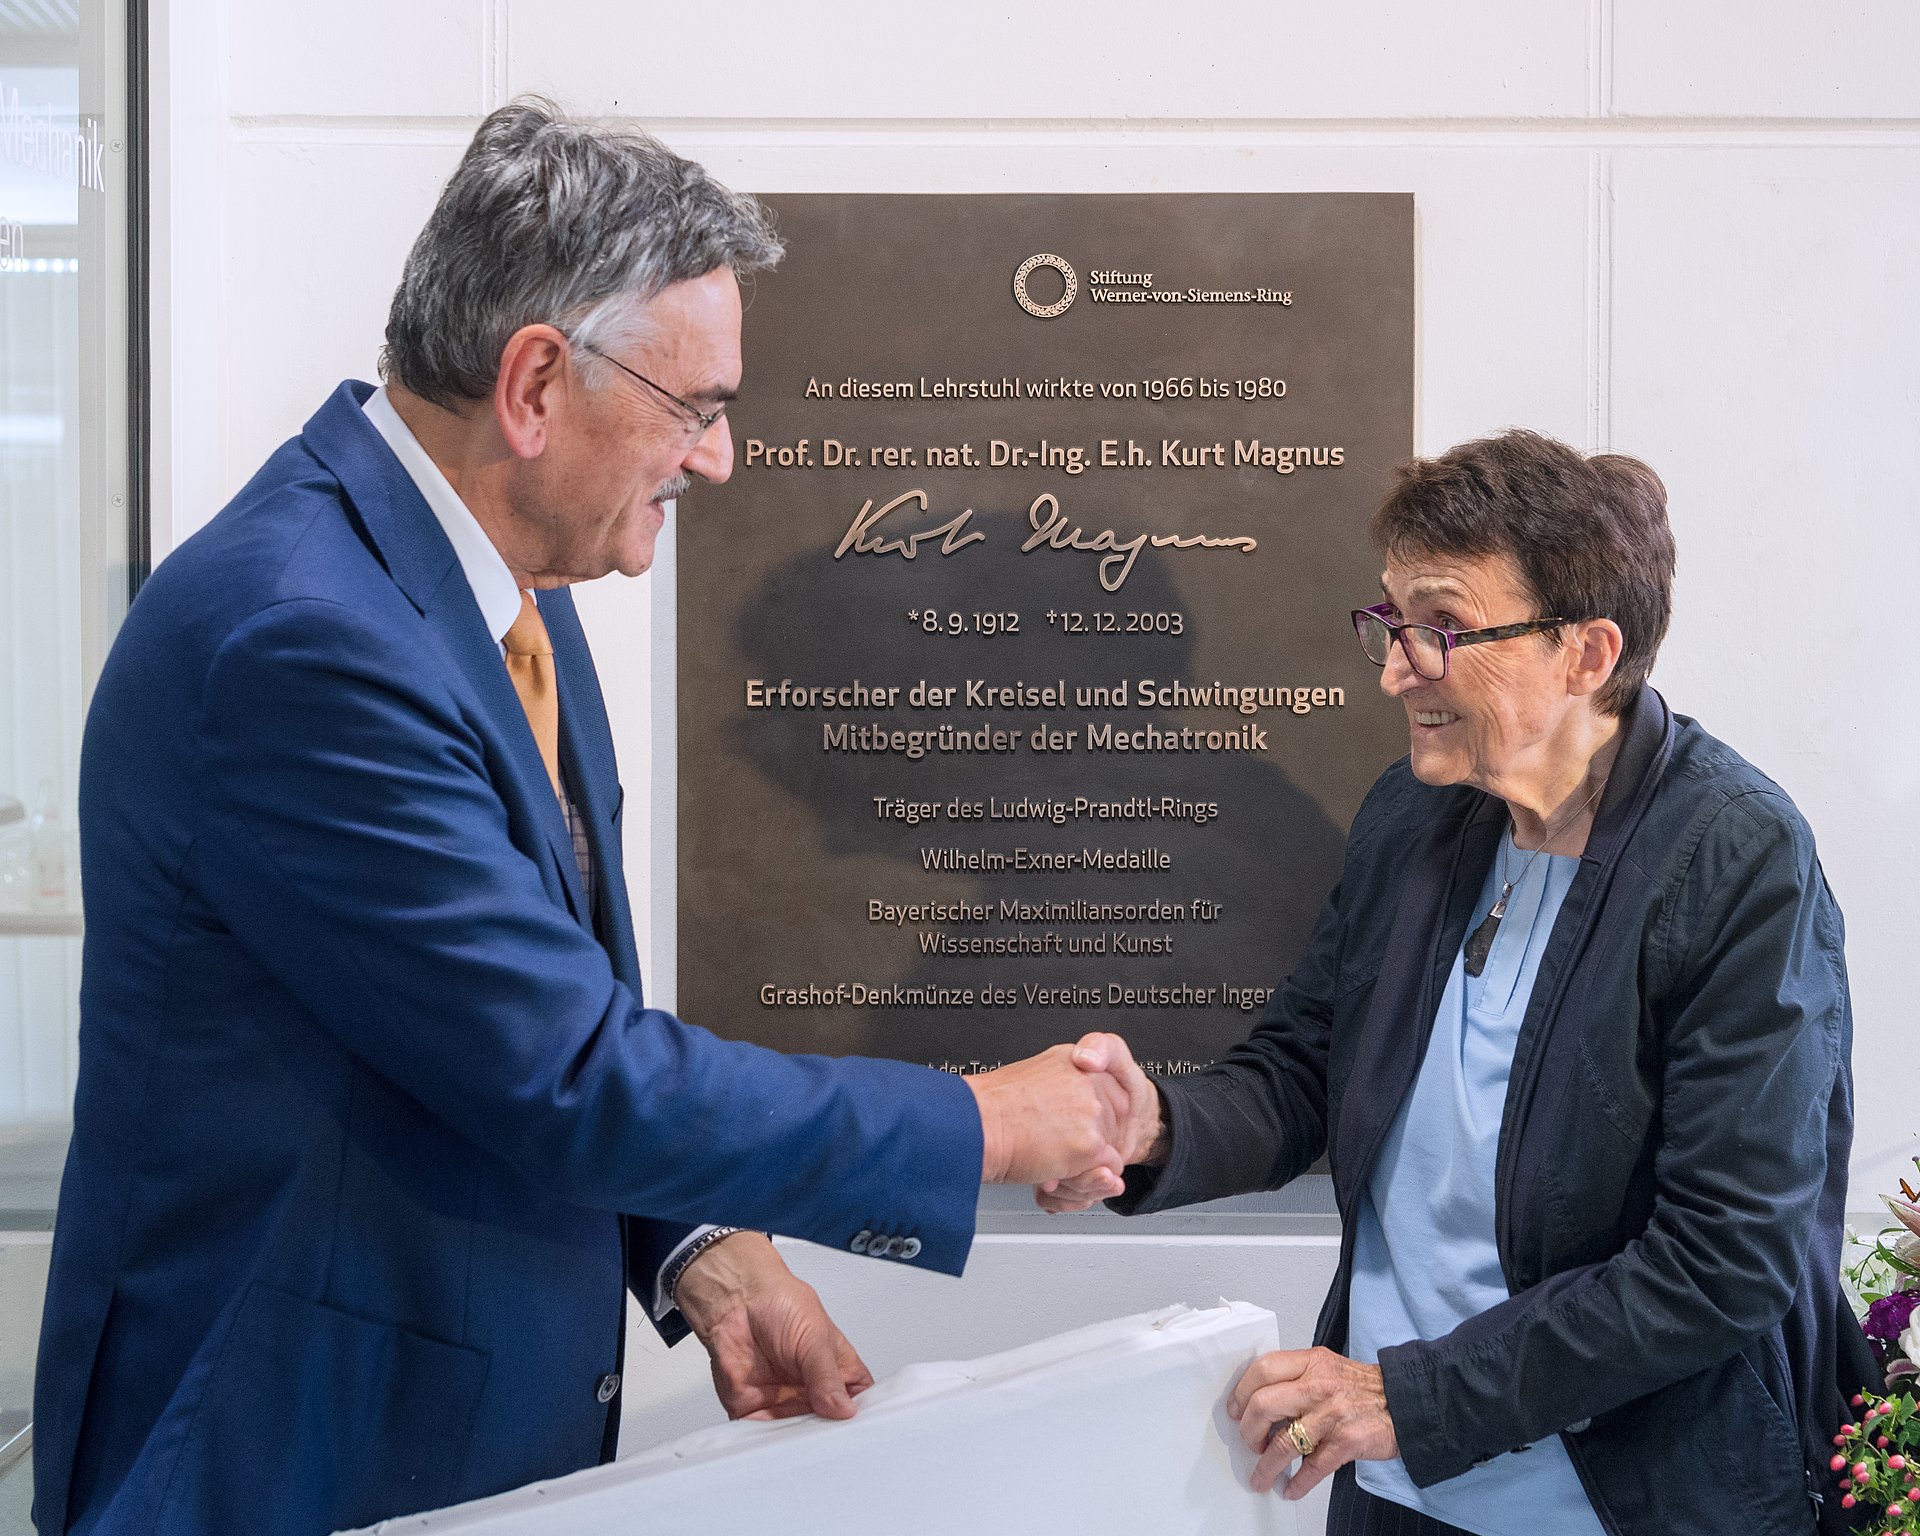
(530, 666)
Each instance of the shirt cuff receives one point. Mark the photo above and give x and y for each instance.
(684, 1252)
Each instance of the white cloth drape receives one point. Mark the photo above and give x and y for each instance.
(1117, 1428)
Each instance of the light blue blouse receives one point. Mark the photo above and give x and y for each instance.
(1424, 1256)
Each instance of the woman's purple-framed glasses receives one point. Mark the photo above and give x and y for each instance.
(1427, 646)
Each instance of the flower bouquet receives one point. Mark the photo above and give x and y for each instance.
(1877, 1457)
(1885, 1283)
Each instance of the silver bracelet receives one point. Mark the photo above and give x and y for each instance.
(670, 1281)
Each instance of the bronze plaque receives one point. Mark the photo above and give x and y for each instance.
(1017, 693)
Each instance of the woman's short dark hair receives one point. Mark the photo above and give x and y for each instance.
(1589, 535)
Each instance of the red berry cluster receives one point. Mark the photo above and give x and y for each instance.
(1877, 1462)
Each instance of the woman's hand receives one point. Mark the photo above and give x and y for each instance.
(1142, 1131)
(1341, 1406)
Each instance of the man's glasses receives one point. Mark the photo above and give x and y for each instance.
(699, 422)
(1427, 646)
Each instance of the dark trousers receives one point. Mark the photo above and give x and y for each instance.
(1353, 1511)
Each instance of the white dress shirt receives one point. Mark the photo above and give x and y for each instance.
(494, 588)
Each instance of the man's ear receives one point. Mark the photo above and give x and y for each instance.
(1596, 647)
(529, 387)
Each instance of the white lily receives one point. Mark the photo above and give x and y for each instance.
(1905, 1212)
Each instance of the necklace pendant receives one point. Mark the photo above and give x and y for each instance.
(1480, 945)
(1480, 942)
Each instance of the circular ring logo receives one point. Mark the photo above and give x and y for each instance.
(1058, 306)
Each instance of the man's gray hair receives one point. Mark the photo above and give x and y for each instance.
(551, 220)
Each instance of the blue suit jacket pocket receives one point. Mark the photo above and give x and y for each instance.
(313, 1420)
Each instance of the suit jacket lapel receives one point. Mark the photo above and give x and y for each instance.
(587, 760)
(410, 544)
(1439, 879)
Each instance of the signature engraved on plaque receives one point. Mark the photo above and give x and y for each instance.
(1051, 530)
(954, 535)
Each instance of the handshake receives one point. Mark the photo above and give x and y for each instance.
(1065, 1121)
(1068, 1120)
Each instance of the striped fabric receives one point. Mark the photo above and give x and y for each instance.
(576, 824)
(1353, 1511)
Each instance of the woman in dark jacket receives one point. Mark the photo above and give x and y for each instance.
(1573, 1034)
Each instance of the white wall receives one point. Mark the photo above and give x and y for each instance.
(1685, 229)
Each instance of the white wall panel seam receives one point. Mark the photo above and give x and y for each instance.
(489, 55)
(1603, 61)
(1600, 299)
(498, 22)
(1596, 21)
(1614, 132)
(825, 131)
(659, 933)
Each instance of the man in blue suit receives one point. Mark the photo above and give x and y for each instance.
(373, 1130)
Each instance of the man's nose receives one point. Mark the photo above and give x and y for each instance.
(711, 457)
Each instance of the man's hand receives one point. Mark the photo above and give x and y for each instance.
(1143, 1135)
(774, 1350)
(1048, 1117)
(1339, 1404)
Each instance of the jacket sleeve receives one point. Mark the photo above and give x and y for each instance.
(1258, 1118)
(1749, 1009)
(351, 836)
(650, 1244)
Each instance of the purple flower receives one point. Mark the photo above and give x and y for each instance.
(1887, 1318)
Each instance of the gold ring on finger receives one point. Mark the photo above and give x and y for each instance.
(1298, 1437)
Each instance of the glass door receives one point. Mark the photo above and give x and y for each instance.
(72, 491)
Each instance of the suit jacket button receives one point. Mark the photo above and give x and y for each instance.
(1579, 1426)
(609, 1386)
(860, 1241)
(883, 1247)
(910, 1249)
